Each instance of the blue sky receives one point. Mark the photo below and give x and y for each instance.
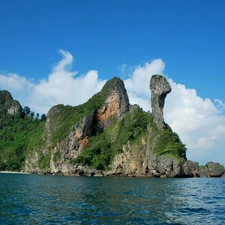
(48, 44)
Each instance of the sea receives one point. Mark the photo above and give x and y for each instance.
(47, 199)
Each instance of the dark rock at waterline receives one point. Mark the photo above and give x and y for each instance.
(215, 169)
(202, 172)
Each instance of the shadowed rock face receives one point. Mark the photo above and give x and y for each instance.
(159, 87)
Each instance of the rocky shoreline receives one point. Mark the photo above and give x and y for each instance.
(190, 170)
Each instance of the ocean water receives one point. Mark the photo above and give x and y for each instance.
(43, 199)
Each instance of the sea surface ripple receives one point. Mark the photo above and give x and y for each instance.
(44, 199)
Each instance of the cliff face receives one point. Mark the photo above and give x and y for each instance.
(114, 106)
(159, 87)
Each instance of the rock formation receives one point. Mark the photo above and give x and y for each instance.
(8, 104)
(159, 87)
(115, 105)
(106, 136)
(211, 169)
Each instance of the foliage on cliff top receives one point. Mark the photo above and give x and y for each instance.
(169, 143)
(62, 117)
(157, 77)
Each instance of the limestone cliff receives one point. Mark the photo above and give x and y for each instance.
(159, 87)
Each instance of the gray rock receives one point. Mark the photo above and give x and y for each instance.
(14, 108)
(202, 172)
(215, 169)
(8, 104)
(166, 166)
(159, 87)
(190, 168)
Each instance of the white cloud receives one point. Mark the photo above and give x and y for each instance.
(18, 86)
(14, 81)
(199, 122)
(137, 84)
(61, 87)
(219, 104)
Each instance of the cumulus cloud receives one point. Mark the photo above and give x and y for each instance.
(199, 122)
(137, 84)
(220, 104)
(61, 86)
(14, 81)
(18, 86)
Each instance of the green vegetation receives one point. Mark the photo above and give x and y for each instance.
(98, 154)
(169, 143)
(157, 77)
(18, 136)
(20, 133)
(61, 125)
(44, 161)
(57, 156)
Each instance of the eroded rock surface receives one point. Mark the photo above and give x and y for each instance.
(159, 87)
(115, 105)
(215, 169)
(78, 137)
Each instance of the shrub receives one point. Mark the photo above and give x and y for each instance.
(57, 156)
(169, 143)
(44, 161)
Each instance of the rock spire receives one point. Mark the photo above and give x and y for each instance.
(159, 87)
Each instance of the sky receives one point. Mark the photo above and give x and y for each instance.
(63, 51)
